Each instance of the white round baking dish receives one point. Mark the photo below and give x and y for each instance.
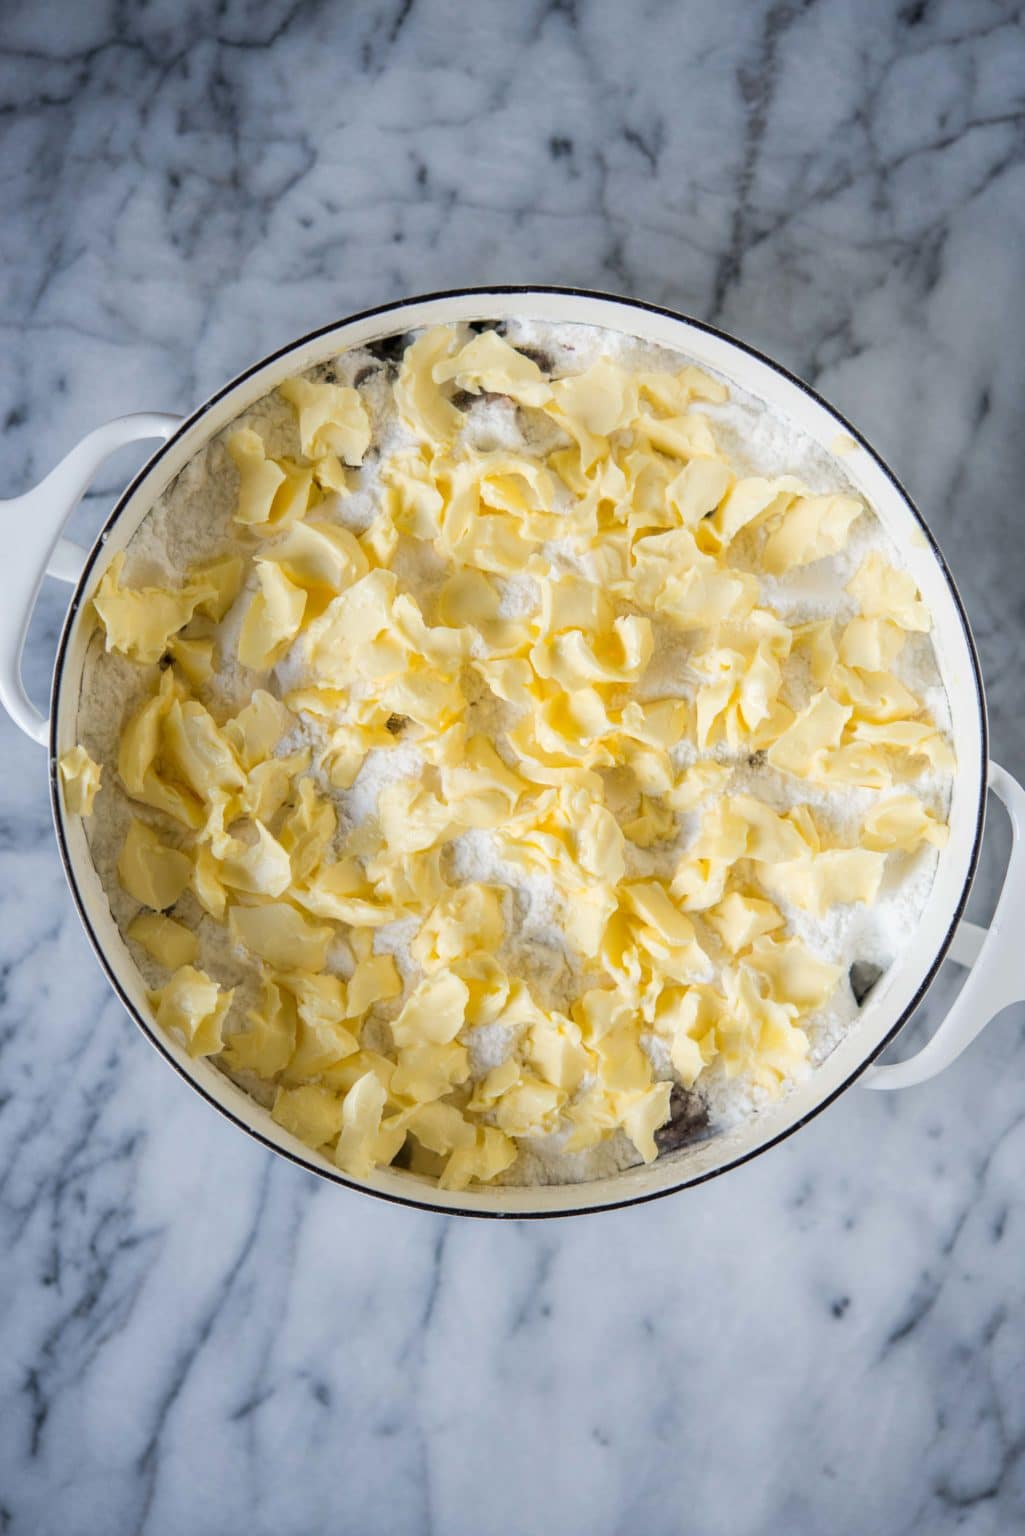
(997, 977)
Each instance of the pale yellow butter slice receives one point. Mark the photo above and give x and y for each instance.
(280, 935)
(272, 619)
(170, 943)
(139, 621)
(312, 1113)
(149, 870)
(332, 419)
(489, 362)
(80, 779)
(193, 1006)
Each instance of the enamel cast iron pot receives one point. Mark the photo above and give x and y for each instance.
(997, 975)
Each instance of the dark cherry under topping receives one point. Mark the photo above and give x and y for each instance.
(688, 1121)
(544, 360)
(465, 399)
(863, 976)
(390, 348)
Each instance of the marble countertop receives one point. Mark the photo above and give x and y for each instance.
(197, 1337)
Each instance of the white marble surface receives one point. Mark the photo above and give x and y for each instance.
(197, 1338)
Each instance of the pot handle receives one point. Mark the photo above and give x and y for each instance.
(31, 525)
(997, 967)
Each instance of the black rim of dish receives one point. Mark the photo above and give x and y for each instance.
(150, 1031)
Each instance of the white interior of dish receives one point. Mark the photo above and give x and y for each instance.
(892, 998)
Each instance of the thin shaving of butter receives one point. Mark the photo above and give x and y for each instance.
(80, 780)
(171, 944)
(193, 1007)
(332, 420)
(149, 870)
(139, 621)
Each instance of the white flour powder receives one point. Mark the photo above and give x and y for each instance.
(192, 522)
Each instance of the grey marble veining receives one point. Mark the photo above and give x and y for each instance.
(196, 1337)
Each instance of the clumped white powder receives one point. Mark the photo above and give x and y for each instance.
(534, 948)
(192, 522)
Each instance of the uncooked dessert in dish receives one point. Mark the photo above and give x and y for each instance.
(511, 753)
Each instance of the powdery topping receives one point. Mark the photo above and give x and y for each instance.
(629, 769)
